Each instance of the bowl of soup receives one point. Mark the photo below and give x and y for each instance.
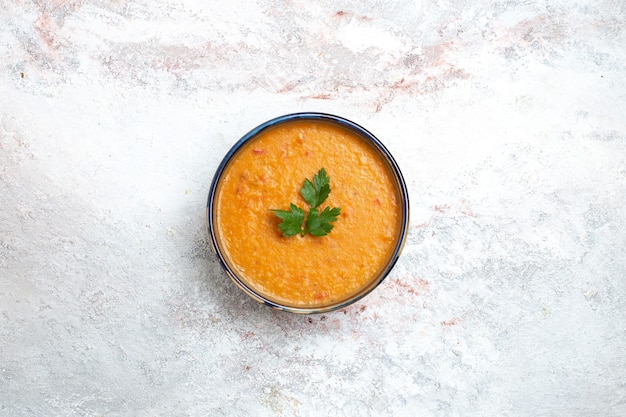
(282, 249)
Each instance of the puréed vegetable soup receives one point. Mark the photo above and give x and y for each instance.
(267, 173)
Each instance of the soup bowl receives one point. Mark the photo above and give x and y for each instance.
(308, 212)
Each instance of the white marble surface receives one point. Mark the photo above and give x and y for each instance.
(506, 117)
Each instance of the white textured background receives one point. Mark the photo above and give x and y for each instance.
(508, 119)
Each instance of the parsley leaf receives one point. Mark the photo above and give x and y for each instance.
(316, 192)
(292, 220)
(317, 223)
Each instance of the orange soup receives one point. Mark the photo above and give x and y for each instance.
(306, 271)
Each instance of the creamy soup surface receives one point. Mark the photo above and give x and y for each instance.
(267, 173)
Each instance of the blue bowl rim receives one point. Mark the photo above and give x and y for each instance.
(351, 126)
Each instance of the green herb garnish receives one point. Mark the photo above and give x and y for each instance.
(317, 223)
(292, 220)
